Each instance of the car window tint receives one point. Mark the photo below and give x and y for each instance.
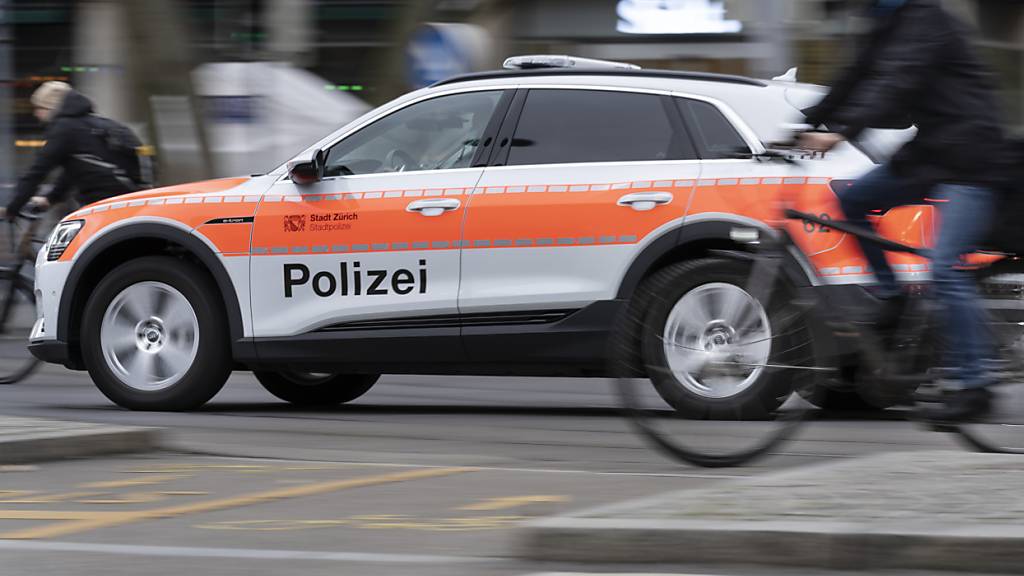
(717, 136)
(560, 126)
(440, 133)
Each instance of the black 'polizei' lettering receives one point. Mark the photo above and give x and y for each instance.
(348, 280)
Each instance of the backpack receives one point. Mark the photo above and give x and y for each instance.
(132, 160)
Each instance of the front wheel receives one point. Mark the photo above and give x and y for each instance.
(314, 389)
(154, 335)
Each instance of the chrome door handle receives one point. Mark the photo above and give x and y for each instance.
(433, 207)
(644, 201)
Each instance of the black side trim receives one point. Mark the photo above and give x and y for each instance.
(134, 232)
(677, 75)
(454, 320)
(234, 220)
(576, 345)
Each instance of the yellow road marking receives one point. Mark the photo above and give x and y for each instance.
(180, 468)
(273, 525)
(55, 514)
(372, 522)
(48, 498)
(5, 494)
(147, 481)
(101, 520)
(129, 498)
(184, 493)
(512, 502)
(442, 524)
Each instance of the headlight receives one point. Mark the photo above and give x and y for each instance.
(61, 238)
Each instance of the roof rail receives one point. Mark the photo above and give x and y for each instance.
(671, 74)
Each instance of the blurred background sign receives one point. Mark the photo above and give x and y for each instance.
(675, 17)
(440, 50)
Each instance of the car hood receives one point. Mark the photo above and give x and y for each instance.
(201, 187)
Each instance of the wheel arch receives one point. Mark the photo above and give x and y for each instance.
(693, 240)
(126, 242)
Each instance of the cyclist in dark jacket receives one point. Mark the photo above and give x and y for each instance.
(917, 66)
(76, 142)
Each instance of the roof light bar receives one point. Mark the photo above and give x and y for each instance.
(552, 61)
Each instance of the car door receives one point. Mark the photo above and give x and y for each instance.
(378, 237)
(580, 184)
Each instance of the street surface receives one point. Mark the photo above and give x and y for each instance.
(423, 475)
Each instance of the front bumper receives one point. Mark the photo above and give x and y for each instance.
(52, 351)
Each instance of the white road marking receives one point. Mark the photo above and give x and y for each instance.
(238, 553)
(619, 574)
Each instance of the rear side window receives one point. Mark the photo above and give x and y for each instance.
(715, 135)
(565, 126)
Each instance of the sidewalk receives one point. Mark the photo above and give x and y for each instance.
(955, 511)
(25, 440)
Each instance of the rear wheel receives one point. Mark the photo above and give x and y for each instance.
(154, 335)
(1002, 430)
(316, 389)
(706, 342)
(721, 340)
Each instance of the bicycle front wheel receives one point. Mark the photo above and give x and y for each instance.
(17, 315)
(727, 346)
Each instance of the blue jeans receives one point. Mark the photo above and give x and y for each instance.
(966, 218)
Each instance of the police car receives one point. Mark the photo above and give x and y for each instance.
(494, 223)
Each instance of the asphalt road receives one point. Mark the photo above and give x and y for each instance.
(423, 475)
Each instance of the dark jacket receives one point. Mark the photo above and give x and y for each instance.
(917, 66)
(75, 142)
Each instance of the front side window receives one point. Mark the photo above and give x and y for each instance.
(716, 136)
(566, 126)
(436, 134)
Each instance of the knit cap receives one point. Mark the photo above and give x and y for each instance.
(50, 95)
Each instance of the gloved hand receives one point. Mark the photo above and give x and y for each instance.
(39, 203)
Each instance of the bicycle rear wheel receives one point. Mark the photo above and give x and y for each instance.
(728, 347)
(17, 315)
(1002, 430)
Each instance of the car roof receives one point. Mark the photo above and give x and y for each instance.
(758, 102)
(638, 73)
(724, 87)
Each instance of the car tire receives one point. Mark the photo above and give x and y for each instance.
(155, 337)
(672, 291)
(313, 390)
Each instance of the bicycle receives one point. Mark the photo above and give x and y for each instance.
(18, 304)
(780, 321)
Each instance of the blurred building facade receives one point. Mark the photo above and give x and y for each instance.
(361, 47)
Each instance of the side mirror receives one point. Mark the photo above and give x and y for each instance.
(305, 172)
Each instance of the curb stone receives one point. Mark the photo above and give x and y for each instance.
(25, 440)
(895, 511)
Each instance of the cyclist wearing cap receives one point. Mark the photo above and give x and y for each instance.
(917, 66)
